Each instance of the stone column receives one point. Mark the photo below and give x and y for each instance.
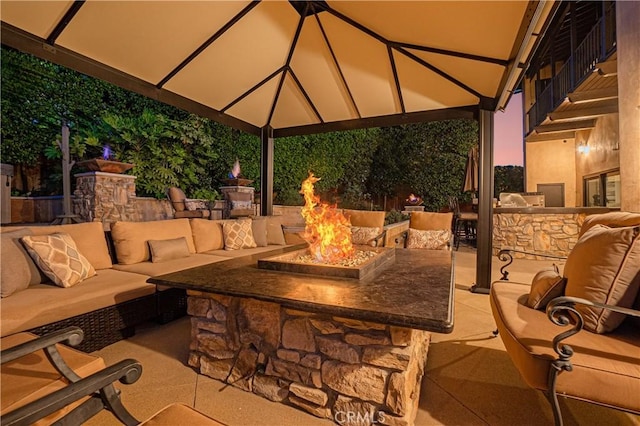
(227, 194)
(105, 197)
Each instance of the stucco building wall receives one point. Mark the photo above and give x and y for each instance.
(553, 162)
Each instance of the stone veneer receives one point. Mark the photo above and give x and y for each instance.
(549, 233)
(105, 197)
(350, 371)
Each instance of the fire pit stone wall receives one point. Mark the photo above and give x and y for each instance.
(350, 371)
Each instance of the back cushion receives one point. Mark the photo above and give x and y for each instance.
(428, 221)
(604, 267)
(89, 238)
(17, 269)
(177, 198)
(207, 234)
(130, 239)
(611, 219)
(364, 218)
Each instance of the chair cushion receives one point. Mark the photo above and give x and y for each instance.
(207, 234)
(58, 258)
(163, 250)
(546, 285)
(611, 219)
(180, 414)
(275, 234)
(191, 204)
(32, 376)
(426, 221)
(17, 269)
(430, 239)
(238, 234)
(365, 218)
(89, 238)
(600, 361)
(259, 230)
(604, 267)
(177, 197)
(130, 238)
(364, 234)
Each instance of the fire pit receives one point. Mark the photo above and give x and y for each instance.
(366, 262)
(330, 251)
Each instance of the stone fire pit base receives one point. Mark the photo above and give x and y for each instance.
(350, 371)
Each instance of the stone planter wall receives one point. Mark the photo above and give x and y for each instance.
(105, 197)
(549, 233)
(352, 372)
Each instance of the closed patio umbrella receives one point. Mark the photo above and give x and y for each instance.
(471, 171)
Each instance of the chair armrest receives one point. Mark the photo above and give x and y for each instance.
(562, 311)
(98, 385)
(379, 240)
(70, 335)
(505, 255)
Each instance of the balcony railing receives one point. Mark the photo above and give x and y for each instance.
(595, 48)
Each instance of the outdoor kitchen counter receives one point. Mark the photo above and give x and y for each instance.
(416, 291)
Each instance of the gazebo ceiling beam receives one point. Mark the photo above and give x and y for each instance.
(466, 112)
(66, 20)
(480, 58)
(338, 67)
(306, 95)
(37, 46)
(208, 42)
(402, 50)
(395, 78)
(287, 64)
(253, 89)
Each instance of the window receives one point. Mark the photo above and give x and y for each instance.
(602, 190)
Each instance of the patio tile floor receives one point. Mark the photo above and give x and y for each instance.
(470, 379)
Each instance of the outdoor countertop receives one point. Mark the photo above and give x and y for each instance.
(553, 210)
(416, 291)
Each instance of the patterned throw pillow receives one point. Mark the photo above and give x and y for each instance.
(238, 234)
(434, 239)
(58, 258)
(363, 234)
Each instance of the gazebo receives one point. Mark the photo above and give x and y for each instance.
(282, 68)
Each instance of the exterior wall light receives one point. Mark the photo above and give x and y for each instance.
(583, 148)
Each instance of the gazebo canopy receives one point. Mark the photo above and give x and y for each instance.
(281, 68)
(298, 67)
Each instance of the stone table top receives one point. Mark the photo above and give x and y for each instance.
(415, 292)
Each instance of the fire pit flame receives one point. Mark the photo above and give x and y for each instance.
(235, 171)
(327, 231)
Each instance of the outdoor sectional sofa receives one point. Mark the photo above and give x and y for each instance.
(109, 305)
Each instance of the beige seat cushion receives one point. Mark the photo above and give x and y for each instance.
(369, 219)
(604, 267)
(180, 414)
(131, 238)
(45, 303)
(427, 221)
(32, 376)
(606, 367)
(154, 269)
(89, 238)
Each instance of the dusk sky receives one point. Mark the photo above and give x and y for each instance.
(507, 150)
